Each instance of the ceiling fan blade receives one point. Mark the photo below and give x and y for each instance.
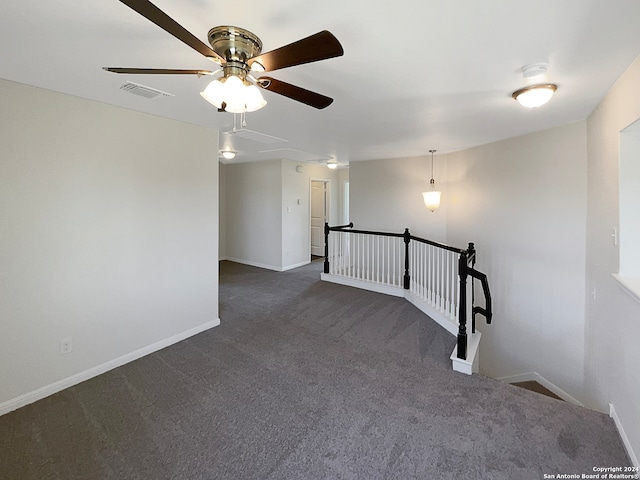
(320, 46)
(299, 94)
(160, 71)
(164, 21)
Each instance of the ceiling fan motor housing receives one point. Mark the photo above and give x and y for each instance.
(236, 45)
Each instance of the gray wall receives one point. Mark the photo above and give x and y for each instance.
(253, 220)
(268, 211)
(613, 315)
(386, 195)
(108, 236)
(523, 202)
(542, 209)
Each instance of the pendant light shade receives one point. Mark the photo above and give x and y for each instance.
(432, 196)
(431, 199)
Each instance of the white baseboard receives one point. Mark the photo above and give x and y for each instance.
(254, 264)
(536, 377)
(353, 282)
(427, 309)
(56, 387)
(623, 435)
(296, 265)
(266, 266)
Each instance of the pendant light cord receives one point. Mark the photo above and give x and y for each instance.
(432, 152)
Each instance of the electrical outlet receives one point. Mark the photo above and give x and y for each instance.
(66, 345)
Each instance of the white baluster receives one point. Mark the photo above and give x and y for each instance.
(453, 283)
(446, 280)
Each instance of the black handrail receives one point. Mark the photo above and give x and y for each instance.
(365, 232)
(436, 244)
(339, 227)
(342, 228)
(487, 311)
(466, 262)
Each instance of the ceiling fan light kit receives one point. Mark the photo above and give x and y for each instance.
(238, 52)
(233, 95)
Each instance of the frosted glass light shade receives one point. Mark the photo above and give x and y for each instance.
(534, 96)
(214, 93)
(431, 199)
(236, 95)
(253, 98)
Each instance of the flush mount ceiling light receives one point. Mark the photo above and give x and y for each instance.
(432, 196)
(534, 96)
(228, 154)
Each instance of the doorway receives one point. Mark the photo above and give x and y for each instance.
(319, 215)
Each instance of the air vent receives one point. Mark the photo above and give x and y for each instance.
(296, 155)
(255, 136)
(146, 92)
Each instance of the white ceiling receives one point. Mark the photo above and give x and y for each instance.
(416, 74)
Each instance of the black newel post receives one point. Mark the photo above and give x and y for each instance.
(462, 316)
(407, 278)
(472, 251)
(326, 247)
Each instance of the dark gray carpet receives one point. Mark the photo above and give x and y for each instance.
(303, 380)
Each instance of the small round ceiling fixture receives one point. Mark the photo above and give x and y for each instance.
(228, 154)
(534, 96)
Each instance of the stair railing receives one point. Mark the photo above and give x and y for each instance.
(433, 272)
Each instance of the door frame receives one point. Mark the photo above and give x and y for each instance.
(327, 201)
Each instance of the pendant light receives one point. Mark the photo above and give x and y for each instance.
(432, 196)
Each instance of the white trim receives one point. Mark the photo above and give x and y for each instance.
(291, 267)
(254, 264)
(353, 282)
(56, 387)
(425, 308)
(536, 377)
(327, 205)
(469, 365)
(268, 267)
(631, 285)
(623, 435)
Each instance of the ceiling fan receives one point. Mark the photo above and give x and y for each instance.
(238, 52)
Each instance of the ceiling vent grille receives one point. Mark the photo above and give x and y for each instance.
(143, 91)
(255, 136)
(296, 155)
